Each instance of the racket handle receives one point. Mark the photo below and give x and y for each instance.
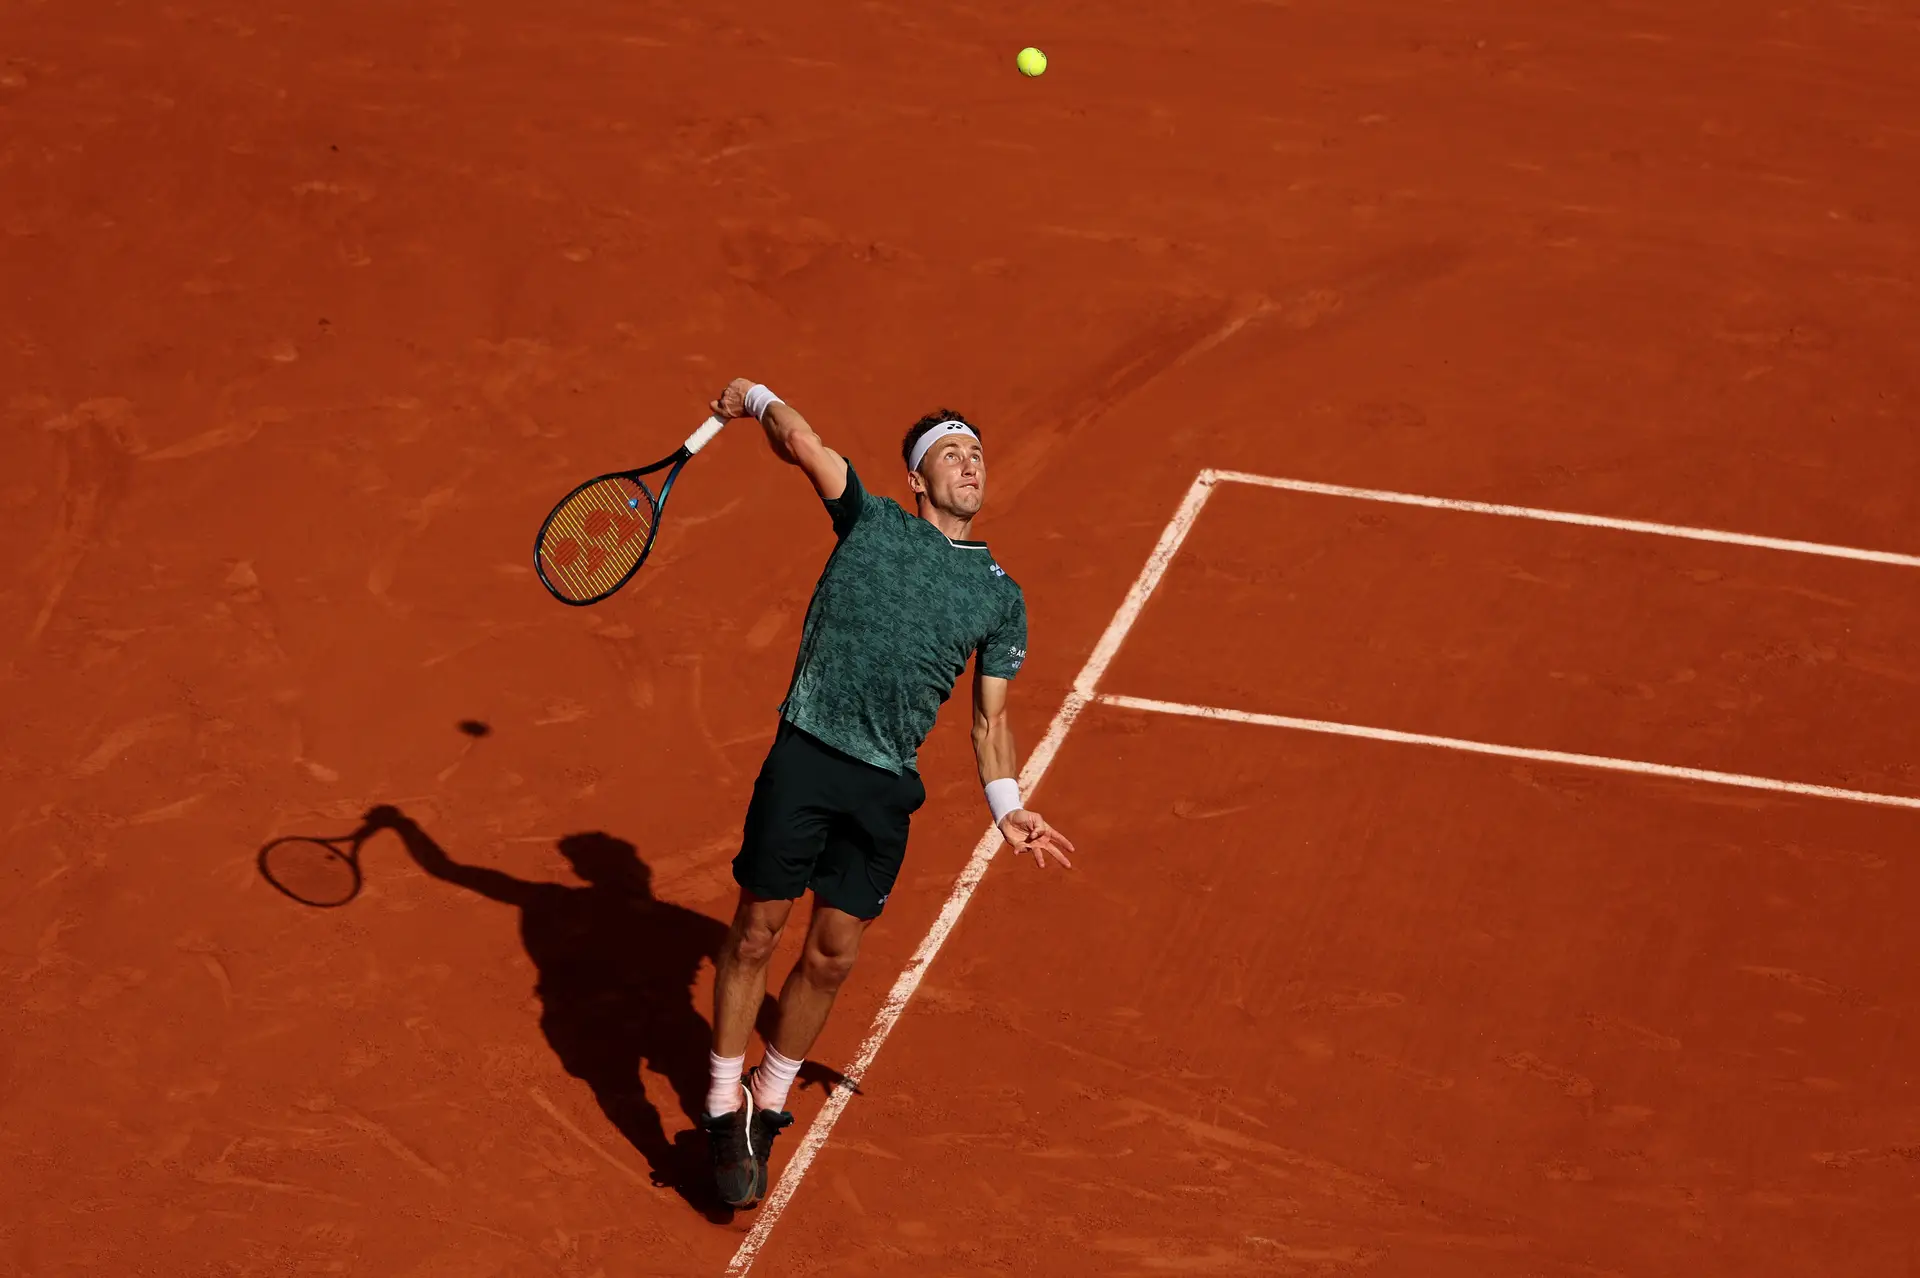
(704, 436)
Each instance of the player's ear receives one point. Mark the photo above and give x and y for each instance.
(915, 482)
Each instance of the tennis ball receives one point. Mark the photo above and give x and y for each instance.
(1031, 61)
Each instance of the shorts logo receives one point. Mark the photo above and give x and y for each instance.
(1017, 656)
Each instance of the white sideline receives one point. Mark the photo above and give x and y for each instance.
(1564, 517)
(1513, 752)
(1085, 692)
(983, 853)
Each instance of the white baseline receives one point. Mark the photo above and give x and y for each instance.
(1085, 692)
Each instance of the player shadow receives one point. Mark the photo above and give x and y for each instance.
(615, 970)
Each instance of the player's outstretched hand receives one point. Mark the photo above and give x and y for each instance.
(383, 816)
(733, 400)
(1029, 832)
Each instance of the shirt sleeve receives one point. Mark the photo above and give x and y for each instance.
(1004, 650)
(846, 509)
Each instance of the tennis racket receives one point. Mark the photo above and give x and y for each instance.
(602, 531)
(323, 873)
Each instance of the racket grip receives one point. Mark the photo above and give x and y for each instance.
(704, 436)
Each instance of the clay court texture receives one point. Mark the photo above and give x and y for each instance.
(1461, 890)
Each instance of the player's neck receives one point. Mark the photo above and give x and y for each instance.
(952, 527)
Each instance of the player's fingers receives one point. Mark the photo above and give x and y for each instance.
(1053, 837)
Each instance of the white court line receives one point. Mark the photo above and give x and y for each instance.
(1512, 752)
(1563, 517)
(1085, 692)
(963, 888)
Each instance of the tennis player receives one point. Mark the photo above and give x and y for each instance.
(906, 600)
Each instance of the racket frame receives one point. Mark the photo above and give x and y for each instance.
(677, 459)
(349, 856)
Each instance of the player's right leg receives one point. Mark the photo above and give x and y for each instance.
(740, 978)
(785, 829)
(739, 985)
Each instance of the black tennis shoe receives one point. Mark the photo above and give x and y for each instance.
(735, 1173)
(762, 1127)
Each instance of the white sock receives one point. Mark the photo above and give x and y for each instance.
(723, 1084)
(773, 1079)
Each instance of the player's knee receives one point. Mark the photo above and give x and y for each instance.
(826, 969)
(752, 943)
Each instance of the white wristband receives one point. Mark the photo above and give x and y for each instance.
(1003, 796)
(759, 400)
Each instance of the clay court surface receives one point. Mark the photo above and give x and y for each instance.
(309, 314)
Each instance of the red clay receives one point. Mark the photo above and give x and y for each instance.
(1334, 1005)
(309, 315)
(1611, 643)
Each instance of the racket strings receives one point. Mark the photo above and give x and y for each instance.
(596, 536)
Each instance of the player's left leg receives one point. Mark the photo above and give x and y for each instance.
(833, 943)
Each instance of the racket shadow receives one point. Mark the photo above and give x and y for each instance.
(615, 969)
(317, 871)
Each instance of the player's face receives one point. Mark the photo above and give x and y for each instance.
(954, 475)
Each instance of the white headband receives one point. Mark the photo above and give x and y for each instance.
(938, 433)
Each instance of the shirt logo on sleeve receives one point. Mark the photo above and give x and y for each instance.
(996, 570)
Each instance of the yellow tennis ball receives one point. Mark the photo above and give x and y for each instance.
(1031, 61)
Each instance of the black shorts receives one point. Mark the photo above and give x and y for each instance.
(824, 820)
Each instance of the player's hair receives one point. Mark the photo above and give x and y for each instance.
(927, 423)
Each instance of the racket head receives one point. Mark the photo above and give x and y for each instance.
(597, 537)
(317, 872)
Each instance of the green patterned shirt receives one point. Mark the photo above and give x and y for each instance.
(897, 614)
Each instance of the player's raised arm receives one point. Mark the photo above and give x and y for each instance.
(793, 441)
(993, 750)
